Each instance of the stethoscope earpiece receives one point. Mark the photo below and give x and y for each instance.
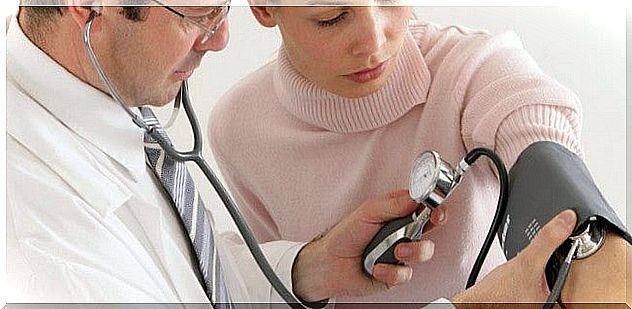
(96, 8)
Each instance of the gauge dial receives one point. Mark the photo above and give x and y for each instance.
(423, 176)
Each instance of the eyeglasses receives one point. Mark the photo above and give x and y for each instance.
(208, 18)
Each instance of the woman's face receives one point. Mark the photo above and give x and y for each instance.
(348, 50)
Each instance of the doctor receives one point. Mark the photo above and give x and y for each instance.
(89, 220)
(90, 214)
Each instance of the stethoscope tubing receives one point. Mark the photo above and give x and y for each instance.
(194, 155)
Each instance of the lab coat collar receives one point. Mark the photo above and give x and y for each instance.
(88, 112)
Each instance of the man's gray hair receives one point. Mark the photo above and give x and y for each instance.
(41, 15)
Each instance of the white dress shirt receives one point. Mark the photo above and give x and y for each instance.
(86, 219)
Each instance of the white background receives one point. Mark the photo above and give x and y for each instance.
(582, 47)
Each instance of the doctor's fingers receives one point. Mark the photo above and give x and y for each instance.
(391, 275)
(414, 252)
(394, 205)
(438, 217)
(548, 239)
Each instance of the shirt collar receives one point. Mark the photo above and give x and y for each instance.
(88, 112)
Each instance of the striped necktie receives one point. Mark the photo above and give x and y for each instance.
(177, 181)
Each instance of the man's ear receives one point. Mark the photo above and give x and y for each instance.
(80, 10)
(262, 13)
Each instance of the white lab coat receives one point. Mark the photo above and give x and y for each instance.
(86, 219)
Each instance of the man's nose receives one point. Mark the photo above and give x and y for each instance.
(215, 42)
(371, 35)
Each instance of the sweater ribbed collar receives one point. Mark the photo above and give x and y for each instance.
(407, 87)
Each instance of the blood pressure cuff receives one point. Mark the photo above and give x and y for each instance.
(546, 179)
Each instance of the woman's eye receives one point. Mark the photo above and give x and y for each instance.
(333, 21)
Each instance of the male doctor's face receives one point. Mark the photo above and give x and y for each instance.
(148, 59)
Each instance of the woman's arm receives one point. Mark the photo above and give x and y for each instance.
(602, 277)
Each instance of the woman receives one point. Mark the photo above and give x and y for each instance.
(353, 96)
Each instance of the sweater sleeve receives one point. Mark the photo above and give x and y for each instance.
(509, 103)
(534, 123)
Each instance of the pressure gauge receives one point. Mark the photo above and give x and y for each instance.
(431, 179)
(423, 175)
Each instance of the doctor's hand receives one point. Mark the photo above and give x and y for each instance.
(522, 278)
(332, 265)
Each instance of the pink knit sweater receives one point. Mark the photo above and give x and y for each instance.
(298, 158)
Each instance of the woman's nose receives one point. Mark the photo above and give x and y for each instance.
(215, 42)
(371, 32)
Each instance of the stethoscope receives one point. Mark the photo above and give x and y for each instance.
(194, 155)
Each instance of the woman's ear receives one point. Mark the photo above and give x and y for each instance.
(262, 13)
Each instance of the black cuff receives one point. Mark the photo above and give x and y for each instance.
(546, 179)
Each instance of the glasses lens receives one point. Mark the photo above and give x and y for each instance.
(197, 11)
(207, 16)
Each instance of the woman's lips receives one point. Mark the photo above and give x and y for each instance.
(366, 76)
